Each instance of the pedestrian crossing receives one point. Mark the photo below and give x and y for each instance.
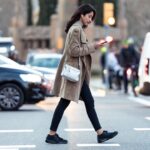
(102, 144)
(143, 102)
(90, 144)
(147, 118)
(143, 129)
(78, 143)
(78, 129)
(16, 147)
(9, 149)
(139, 100)
(98, 145)
(16, 131)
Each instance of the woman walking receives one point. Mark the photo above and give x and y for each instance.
(77, 53)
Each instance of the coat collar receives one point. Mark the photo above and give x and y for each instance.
(83, 36)
(78, 23)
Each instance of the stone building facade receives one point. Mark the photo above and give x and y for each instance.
(133, 20)
(138, 17)
(12, 13)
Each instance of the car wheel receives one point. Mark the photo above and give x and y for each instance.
(145, 90)
(11, 97)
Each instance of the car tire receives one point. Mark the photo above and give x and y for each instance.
(11, 96)
(145, 90)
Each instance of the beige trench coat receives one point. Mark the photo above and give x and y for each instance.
(76, 53)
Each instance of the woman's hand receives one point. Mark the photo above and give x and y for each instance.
(100, 43)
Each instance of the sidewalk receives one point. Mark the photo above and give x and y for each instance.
(98, 89)
(97, 86)
(96, 83)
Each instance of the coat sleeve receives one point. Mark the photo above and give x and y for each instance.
(77, 49)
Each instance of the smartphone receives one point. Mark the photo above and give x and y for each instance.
(109, 39)
(103, 41)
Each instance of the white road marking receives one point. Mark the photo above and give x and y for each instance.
(98, 93)
(8, 149)
(100, 145)
(142, 129)
(16, 146)
(16, 131)
(148, 118)
(139, 100)
(79, 129)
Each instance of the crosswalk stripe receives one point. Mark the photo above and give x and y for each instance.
(16, 146)
(16, 131)
(9, 149)
(148, 118)
(96, 145)
(78, 129)
(139, 100)
(142, 129)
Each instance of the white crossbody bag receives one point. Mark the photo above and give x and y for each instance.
(70, 73)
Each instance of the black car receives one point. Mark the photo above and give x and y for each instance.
(19, 85)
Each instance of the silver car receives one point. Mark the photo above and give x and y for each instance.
(47, 63)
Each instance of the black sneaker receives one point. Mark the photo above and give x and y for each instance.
(106, 136)
(55, 139)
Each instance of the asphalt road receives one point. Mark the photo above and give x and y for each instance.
(27, 128)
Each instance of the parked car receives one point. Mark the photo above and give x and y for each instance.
(144, 67)
(5, 60)
(19, 85)
(47, 63)
(6, 46)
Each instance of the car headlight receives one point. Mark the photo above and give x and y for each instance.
(49, 76)
(31, 78)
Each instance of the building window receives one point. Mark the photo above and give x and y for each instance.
(106, 10)
(47, 8)
(47, 43)
(39, 43)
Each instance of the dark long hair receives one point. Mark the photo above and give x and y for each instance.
(82, 10)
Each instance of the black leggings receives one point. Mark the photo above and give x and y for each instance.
(89, 104)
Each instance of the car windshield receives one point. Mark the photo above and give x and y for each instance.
(5, 44)
(45, 62)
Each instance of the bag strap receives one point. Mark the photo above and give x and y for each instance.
(65, 53)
